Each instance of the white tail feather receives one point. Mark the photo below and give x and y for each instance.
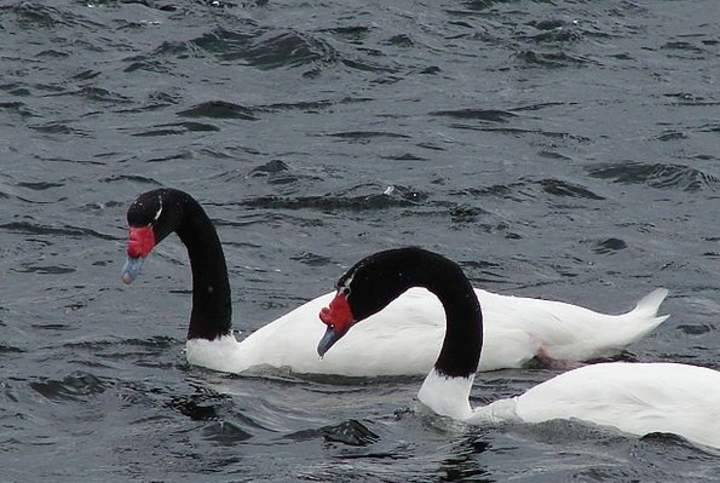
(645, 312)
(650, 303)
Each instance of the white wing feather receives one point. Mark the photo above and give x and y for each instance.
(635, 398)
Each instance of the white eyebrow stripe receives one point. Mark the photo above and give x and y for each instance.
(348, 281)
(159, 211)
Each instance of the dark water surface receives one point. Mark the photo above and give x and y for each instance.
(557, 149)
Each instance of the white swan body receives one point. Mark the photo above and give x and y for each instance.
(405, 337)
(636, 398)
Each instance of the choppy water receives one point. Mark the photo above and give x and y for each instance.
(557, 149)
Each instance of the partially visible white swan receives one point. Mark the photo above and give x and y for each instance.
(404, 339)
(634, 398)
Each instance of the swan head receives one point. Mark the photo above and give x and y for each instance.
(367, 288)
(148, 225)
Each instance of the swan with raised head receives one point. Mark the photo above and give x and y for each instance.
(632, 397)
(519, 328)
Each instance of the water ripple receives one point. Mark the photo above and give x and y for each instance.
(493, 115)
(662, 176)
(27, 228)
(495, 131)
(76, 386)
(219, 110)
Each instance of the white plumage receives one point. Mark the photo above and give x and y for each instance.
(405, 338)
(635, 398)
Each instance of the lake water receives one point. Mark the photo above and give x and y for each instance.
(557, 149)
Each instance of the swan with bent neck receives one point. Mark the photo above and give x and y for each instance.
(636, 398)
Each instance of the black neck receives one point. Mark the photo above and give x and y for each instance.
(460, 352)
(211, 315)
(382, 277)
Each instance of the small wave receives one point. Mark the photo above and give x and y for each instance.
(170, 157)
(59, 127)
(39, 186)
(8, 349)
(563, 188)
(375, 67)
(16, 89)
(672, 136)
(87, 74)
(353, 33)
(225, 433)
(525, 190)
(75, 387)
(313, 259)
(711, 127)
(287, 49)
(276, 172)
(404, 157)
(146, 63)
(17, 107)
(190, 408)
(311, 106)
(52, 326)
(553, 59)
(466, 214)
(500, 190)
(155, 343)
(366, 136)
(554, 31)
(669, 440)
(683, 45)
(351, 432)
(521, 131)
(52, 53)
(44, 269)
(479, 5)
(357, 203)
(98, 206)
(610, 245)
(96, 94)
(695, 329)
(267, 218)
(542, 105)
(210, 406)
(301, 105)
(128, 177)
(401, 40)
(258, 48)
(69, 161)
(27, 228)
(483, 272)
(657, 175)
(272, 167)
(689, 99)
(176, 128)
(33, 16)
(553, 155)
(492, 115)
(219, 110)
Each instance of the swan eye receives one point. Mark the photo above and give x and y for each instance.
(344, 291)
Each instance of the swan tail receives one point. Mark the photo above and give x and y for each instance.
(644, 315)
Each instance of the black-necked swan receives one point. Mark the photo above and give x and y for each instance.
(519, 328)
(637, 398)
